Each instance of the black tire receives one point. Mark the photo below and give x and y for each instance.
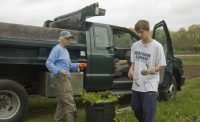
(171, 93)
(13, 101)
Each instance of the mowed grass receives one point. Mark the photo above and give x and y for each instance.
(42, 109)
(186, 103)
(190, 60)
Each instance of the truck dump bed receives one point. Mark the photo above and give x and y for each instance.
(24, 44)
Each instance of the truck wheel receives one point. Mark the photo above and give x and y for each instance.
(13, 101)
(170, 94)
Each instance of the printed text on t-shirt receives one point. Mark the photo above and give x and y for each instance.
(141, 56)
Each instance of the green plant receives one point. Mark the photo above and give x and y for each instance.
(95, 98)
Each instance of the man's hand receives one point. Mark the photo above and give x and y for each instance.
(82, 65)
(63, 72)
(130, 74)
(150, 70)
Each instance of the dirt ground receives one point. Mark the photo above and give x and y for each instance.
(191, 71)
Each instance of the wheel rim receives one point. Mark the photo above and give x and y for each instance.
(9, 104)
(172, 91)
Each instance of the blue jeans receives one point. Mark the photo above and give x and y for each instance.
(144, 105)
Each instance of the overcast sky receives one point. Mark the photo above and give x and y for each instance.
(125, 13)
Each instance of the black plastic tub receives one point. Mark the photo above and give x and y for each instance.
(101, 112)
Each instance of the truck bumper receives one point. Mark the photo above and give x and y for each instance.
(182, 80)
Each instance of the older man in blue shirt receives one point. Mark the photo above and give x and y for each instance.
(60, 65)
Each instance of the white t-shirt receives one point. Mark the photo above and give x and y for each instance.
(152, 54)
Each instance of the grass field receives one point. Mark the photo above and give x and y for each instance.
(186, 102)
(190, 60)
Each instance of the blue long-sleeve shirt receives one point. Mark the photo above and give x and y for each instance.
(59, 60)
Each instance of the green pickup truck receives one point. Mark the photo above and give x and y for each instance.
(24, 50)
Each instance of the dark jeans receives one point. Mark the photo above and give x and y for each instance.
(144, 105)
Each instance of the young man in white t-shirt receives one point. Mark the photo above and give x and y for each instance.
(148, 58)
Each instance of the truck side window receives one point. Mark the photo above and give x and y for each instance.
(101, 36)
(123, 39)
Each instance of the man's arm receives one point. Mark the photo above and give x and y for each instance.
(131, 70)
(151, 70)
(74, 66)
(131, 75)
(158, 68)
(50, 62)
(161, 59)
(77, 66)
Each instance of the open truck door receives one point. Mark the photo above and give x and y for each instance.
(167, 85)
